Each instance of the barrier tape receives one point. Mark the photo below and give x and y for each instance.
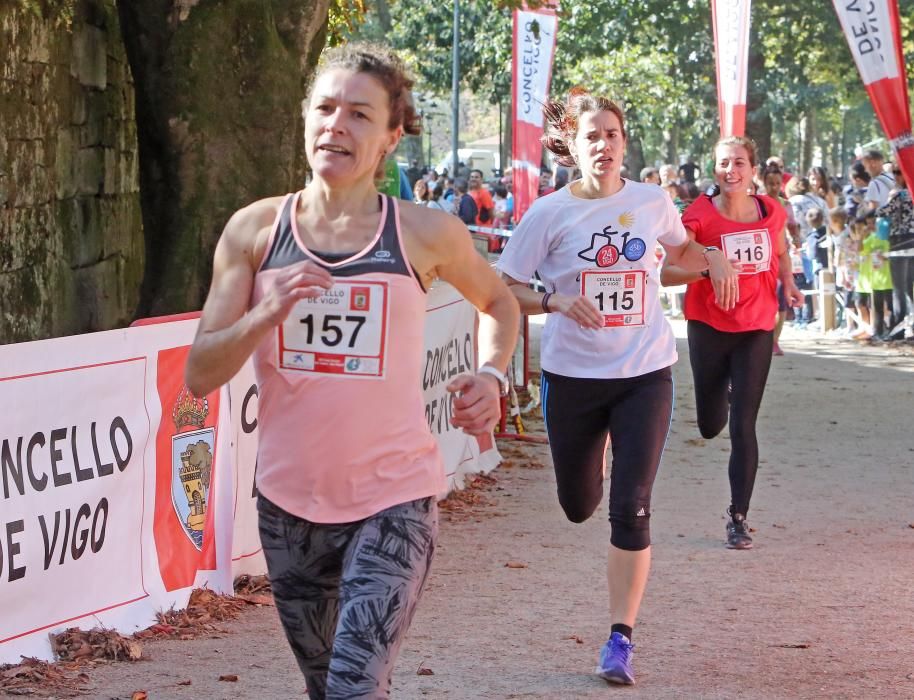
(489, 231)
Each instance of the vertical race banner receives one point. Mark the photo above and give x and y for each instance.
(531, 73)
(731, 51)
(873, 32)
(185, 470)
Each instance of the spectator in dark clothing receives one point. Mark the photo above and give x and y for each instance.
(688, 171)
(413, 173)
(855, 191)
(466, 207)
(817, 241)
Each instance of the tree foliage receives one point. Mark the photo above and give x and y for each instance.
(657, 56)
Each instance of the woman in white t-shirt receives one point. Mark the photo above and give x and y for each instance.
(607, 348)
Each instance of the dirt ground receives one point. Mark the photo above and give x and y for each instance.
(822, 607)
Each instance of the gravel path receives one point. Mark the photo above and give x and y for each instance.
(822, 607)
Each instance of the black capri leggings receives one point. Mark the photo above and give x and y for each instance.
(580, 414)
(730, 371)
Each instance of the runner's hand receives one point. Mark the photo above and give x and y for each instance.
(579, 309)
(724, 275)
(477, 406)
(303, 280)
(793, 295)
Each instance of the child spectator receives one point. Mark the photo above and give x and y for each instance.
(900, 213)
(502, 216)
(844, 250)
(874, 264)
(855, 190)
(817, 242)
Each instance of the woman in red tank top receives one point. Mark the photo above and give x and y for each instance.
(730, 349)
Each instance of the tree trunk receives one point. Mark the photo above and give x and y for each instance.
(672, 145)
(758, 119)
(384, 16)
(809, 138)
(219, 86)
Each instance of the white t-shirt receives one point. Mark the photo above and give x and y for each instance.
(879, 188)
(610, 243)
(801, 204)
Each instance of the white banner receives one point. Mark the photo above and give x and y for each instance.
(120, 492)
(731, 20)
(534, 48)
(867, 24)
(72, 487)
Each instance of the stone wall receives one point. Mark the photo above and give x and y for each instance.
(71, 238)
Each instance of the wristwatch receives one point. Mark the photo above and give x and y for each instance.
(499, 375)
(708, 249)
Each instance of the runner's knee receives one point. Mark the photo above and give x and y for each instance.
(631, 527)
(579, 507)
(710, 430)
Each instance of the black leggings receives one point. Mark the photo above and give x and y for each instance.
(730, 371)
(580, 414)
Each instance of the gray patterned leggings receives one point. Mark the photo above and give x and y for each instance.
(346, 593)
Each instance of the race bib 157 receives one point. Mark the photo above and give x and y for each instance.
(342, 332)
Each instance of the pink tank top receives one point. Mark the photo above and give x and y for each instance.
(341, 417)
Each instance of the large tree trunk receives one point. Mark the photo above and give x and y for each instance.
(758, 119)
(219, 85)
(810, 135)
(71, 240)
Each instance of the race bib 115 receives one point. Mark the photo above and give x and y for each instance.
(618, 295)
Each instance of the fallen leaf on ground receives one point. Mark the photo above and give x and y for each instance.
(422, 671)
(257, 599)
(229, 678)
(187, 682)
(139, 695)
(252, 584)
(576, 638)
(74, 644)
(515, 565)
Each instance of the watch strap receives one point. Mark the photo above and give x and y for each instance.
(498, 374)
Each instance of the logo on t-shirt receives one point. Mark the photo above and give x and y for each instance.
(605, 249)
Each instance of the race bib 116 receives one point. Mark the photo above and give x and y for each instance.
(618, 295)
(342, 332)
(751, 248)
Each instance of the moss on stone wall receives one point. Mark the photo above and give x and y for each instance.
(71, 253)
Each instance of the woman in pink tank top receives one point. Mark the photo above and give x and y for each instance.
(326, 289)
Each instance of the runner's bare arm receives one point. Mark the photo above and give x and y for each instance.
(228, 333)
(785, 272)
(683, 264)
(578, 308)
(442, 247)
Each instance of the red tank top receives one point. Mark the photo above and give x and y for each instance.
(756, 244)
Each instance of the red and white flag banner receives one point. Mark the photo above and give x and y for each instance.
(731, 50)
(873, 32)
(531, 73)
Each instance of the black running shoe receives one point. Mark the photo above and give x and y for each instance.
(738, 532)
